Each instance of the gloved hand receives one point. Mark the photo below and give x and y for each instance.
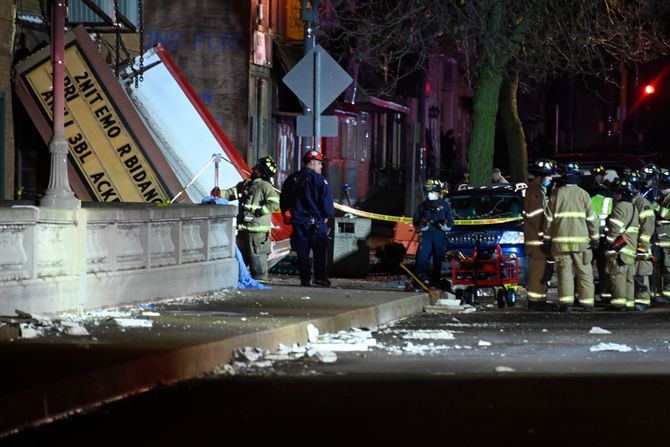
(423, 228)
(595, 243)
(445, 227)
(258, 212)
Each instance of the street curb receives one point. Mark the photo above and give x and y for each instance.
(46, 402)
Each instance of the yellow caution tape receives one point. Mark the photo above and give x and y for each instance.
(355, 212)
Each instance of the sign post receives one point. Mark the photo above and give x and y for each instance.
(317, 80)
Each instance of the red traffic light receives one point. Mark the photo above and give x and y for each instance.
(649, 89)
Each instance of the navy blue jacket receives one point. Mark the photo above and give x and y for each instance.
(434, 213)
(307, 194)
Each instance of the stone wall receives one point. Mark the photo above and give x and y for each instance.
(61, 260)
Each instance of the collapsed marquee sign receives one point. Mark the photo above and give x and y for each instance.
(113, 154)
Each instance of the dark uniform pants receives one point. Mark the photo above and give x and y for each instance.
(255, 248)
(575, 274)
(622, 285)
(432, 243)
(314, 237)
(643, 271)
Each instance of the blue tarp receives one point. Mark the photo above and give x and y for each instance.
(244, 279)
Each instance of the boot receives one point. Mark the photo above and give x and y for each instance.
(565, 308)
(542, 306)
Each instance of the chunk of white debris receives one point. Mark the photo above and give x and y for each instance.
(598, 330)
(28, 331)
(449, 302)
(305, 298)
(468, 309)
(249, 354)
(76, 331)
(322, 356)
(484, 343)
(504, 369)
(610, 347)
(429, 334)
(150, 313)
(312, 333)
(133, 322)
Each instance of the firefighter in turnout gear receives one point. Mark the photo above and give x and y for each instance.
(622, 236)
(535, 204)
(644, 267)
(432, 219)
(602, 203)
(257, 200)
(570, 231)
(663, 234)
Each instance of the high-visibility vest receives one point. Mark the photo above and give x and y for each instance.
(602, 207)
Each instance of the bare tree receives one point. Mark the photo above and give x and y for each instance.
(497, 41)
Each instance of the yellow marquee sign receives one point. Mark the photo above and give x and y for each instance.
(108, 156)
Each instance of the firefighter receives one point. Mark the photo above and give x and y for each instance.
(535, 203)
(570, 231)
(257, 200)
(663, 235)
(307, 203)
(598, 186)
(644, 267)
(650, 174)
(622, 235)
(601, 201)
(432, 219)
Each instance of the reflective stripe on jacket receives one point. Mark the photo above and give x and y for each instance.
(534, 205)
(257, 200)
(624, 222)
(570, 222)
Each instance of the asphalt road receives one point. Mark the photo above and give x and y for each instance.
(503, 377)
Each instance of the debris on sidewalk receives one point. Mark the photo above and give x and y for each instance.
(484, 343)
(133, 322)
(610, 347)
(599, 330)
(503, 369)
(426, 334)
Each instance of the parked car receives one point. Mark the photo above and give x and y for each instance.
(488, 219)
(614, 162)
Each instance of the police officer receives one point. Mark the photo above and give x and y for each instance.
(601, 201)
(432, 219)
(535, 203)
(663, 234)
(257, 200)
(307, 203)
(570, 230)
(622, 232)
(644, 267)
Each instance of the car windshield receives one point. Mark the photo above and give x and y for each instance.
(486, 206)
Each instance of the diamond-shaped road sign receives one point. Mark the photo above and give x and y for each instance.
(332, 79)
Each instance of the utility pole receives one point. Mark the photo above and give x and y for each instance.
(310, 15)
(58, 194)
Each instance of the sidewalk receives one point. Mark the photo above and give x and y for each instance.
(137, 347)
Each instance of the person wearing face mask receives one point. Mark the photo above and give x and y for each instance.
(432, 219)
(535, 204)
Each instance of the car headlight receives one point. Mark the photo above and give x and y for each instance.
(512, 237)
